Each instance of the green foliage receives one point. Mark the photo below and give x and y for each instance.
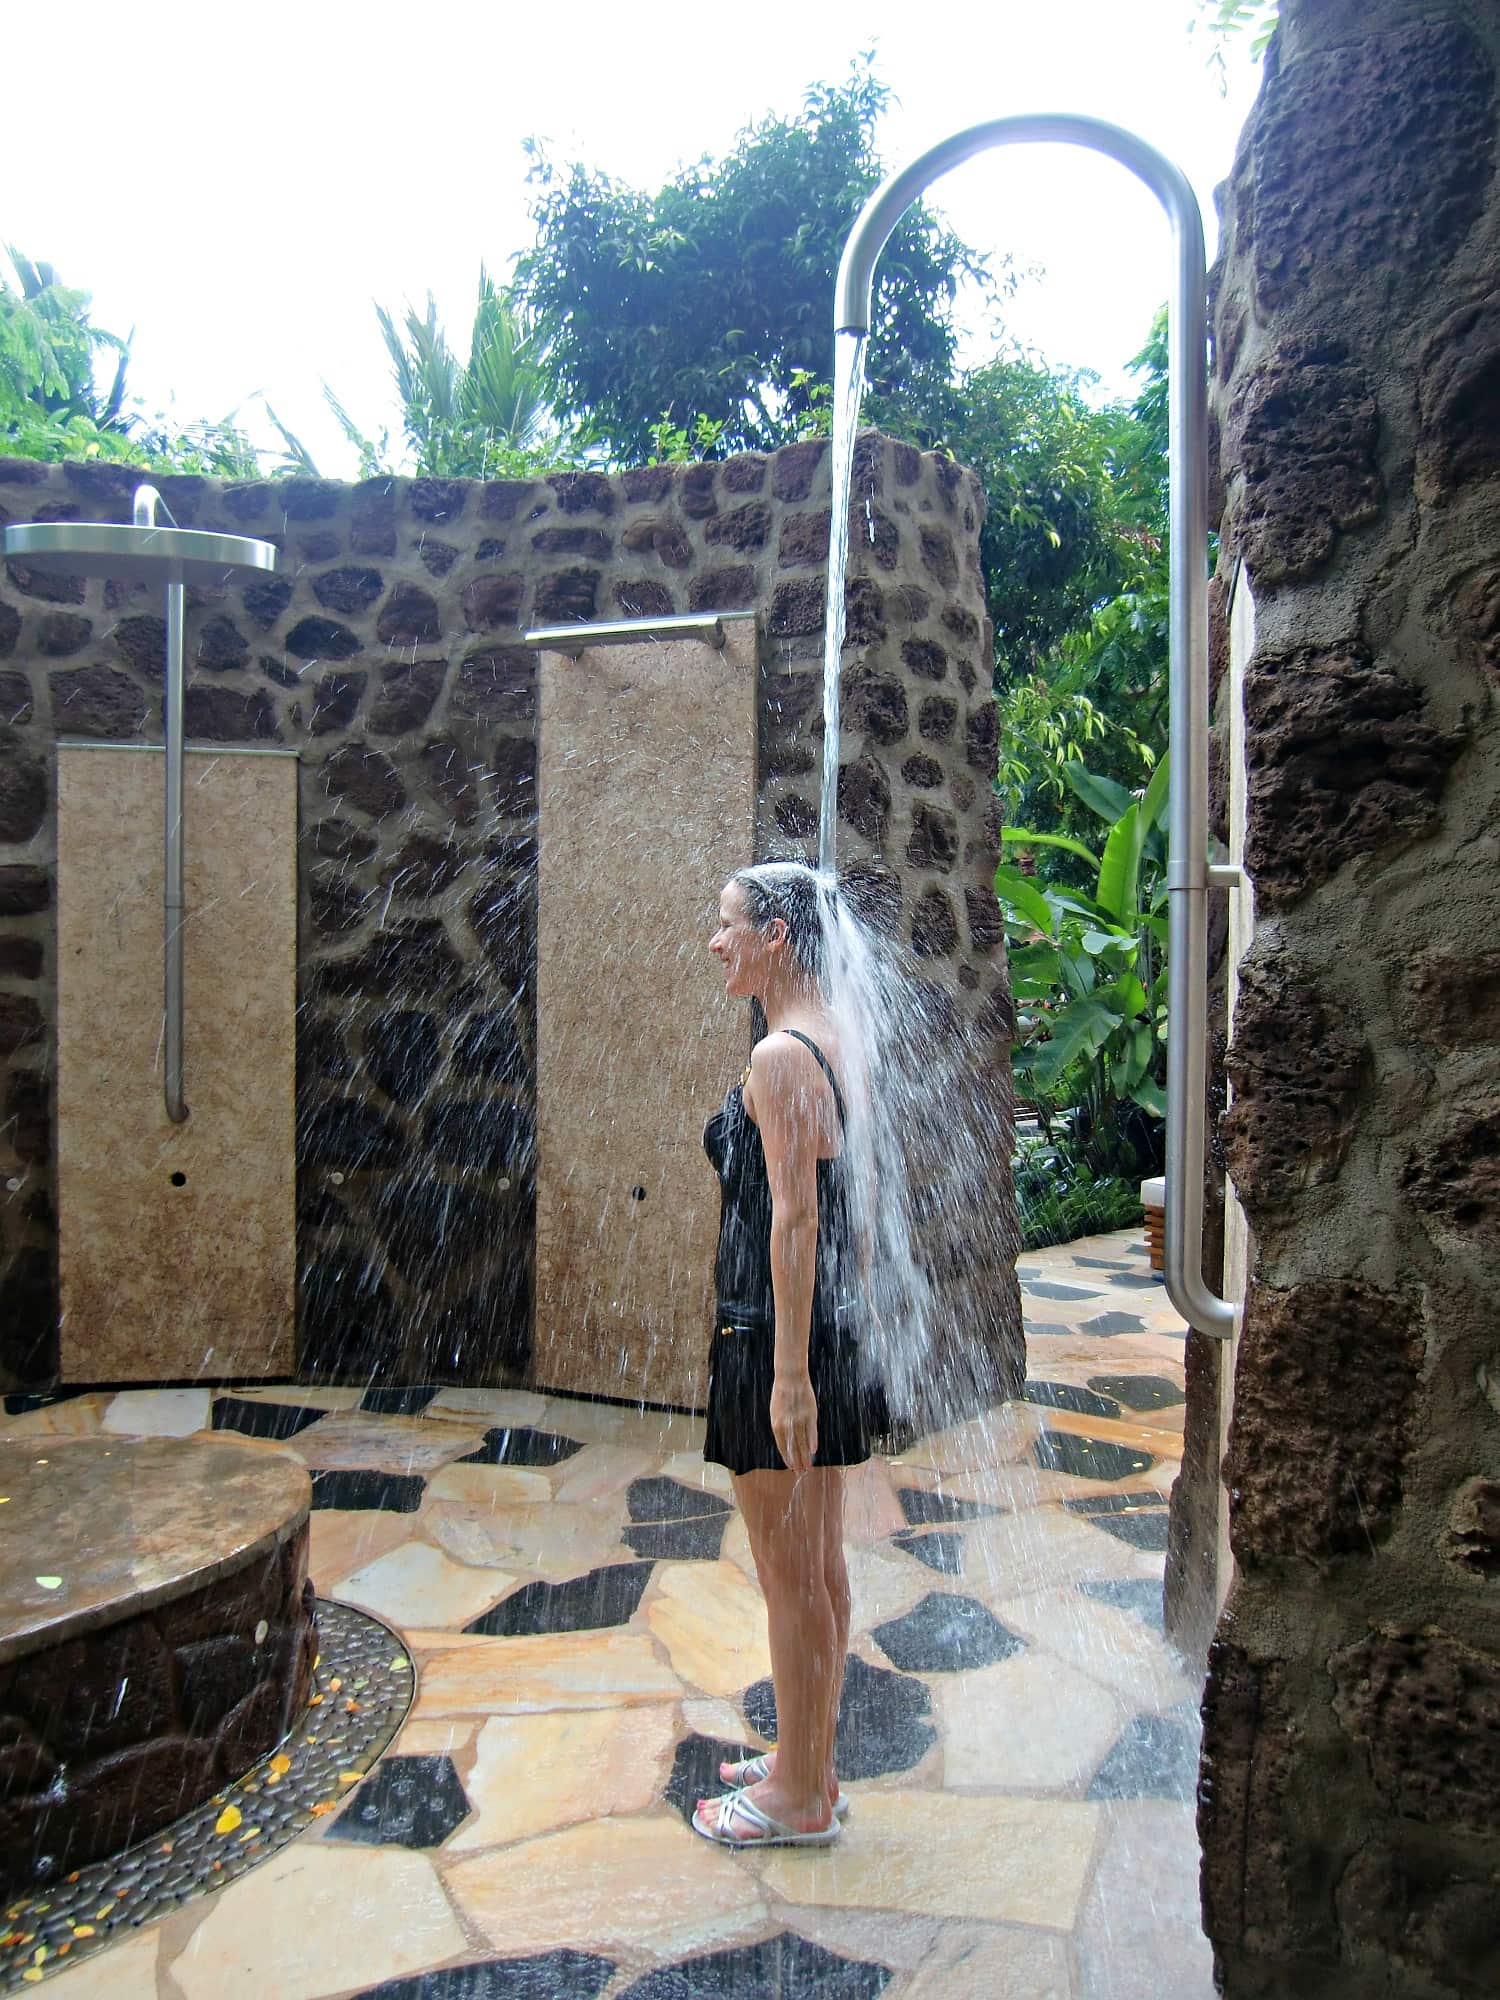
(1058, 1198)
(710, 298)
(1088, 972)
(488, 417)
(1228, 20)
(51, 407)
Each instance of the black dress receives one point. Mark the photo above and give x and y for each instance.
(741, 1362)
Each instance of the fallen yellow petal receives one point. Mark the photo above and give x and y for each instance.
(350, 1777)
(83, 1930)
(280, 1765)
(249, 1834)
(50, 1582)
(228, 1820)
(31, 1975)
(399, 1662)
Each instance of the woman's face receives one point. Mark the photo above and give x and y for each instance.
(738, 946)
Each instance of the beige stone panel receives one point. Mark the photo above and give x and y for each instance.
(162, 1276)
(871, 1509)
(351, 1440)
(949, 1961)
(300, 1395)
(79, 1416)
(320, 1918)
(1021, 1554)
(494, 1407)
(711, 1715)
(646, 1884)
(1009, 1860)
(536, 1773)
(691, 1468)
(712, 1621)
(1109, 1645)
(491, 1486)
(123, 1971)
(884, 1585)
(601, 1473)
(1027, 1724)
(625, 1424)
(568, 1670)
(158, 1412)
(438, 1736)
(417, 1585)
(345, 1539)
(646, 799)
(551, 1542)
(1139, 1937)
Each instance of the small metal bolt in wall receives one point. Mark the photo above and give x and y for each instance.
(179, 1180)
(637, 1194)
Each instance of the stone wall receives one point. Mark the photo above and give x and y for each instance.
(387, 652)
(1352, 1712)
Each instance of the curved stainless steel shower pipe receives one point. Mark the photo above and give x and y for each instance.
(145, 508)
(1187, 839)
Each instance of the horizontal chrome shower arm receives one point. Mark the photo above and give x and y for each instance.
(576, 639)
(1188, 869)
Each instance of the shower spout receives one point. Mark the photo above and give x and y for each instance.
(1188, 872)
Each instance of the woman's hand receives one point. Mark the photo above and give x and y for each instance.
(794, 1420)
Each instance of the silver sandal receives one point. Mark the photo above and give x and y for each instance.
(763, 1830)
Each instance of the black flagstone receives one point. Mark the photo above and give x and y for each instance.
(945, 1634)
(1113, 1503)
(1100, 1264)
(1043, 1325)
(1141, 1595)
(518, 1445)
(944, 1553)
(1113, 1322)
(1155, 1757)
(695, 1770)
(1089, 1458)
(392, 1492)
(1067, 1396)
(554, 1975)
(1139, 1392)
(1134, 1281)
(1044, 1288)
(407, 1402)
(1146, 1530)
(262, 1420)
(670, 1500)
(26, 1400)
(405, 1802)
(919, 1506)
(606, 1596)
(677, 1541)
(882, 1723)
(787, 1967)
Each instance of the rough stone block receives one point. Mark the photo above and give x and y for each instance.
(1426, 1708)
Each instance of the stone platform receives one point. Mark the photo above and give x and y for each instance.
(156, 1634)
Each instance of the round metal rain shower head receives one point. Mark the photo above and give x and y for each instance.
(135, 554)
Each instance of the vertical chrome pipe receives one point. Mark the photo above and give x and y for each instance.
(1187, 842)
(146, 506)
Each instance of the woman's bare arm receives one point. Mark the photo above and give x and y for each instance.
(785, 1108)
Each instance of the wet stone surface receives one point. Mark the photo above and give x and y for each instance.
(670, 1500)
(1139, 1392)
(406, 1802)
(263, 1420)
(391, 1492)
(786, 1966)
(921, 1507)
(695, 1769)
(1068, 1396)
(677, 1541)
(1113, 1322)
(1140, 1595)
(606, 1596)
(1141, 1527)
(1045, 1288)
(1155, 1757)
(518, 1444)
(944, 1553)
(409, 1402)
(945, 1634)
(363, 1684)
(1088, 1458)
(883, 1720)
(551, 1975)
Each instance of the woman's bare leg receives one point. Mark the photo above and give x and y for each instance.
(836, 1583)
(785, 1516)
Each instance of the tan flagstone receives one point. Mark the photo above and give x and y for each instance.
(565, 1670)
(79, 1416)
(158, 1412)
(492, 1486)
(535, 1773)
(656, 1431)
(1045, 1547)
(1140, 1935)
(125, 1970)
(1027, 1724)
(417, 1584)
(883, 1585)
(693, 1469)
(553, 1542)
(712, 1621)
(871, 1509)
(949, 1960)
(320, 1918)
(601, 1472)
(494, 1408)
(351, 1440)
(711, 1715)
(735, 1547)
(1107, 1644)
(645, 1884)
(1010, 1860)
(437, 1736)
(300, 1395)
(344, 1539)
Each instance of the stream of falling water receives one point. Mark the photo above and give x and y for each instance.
(848, 394)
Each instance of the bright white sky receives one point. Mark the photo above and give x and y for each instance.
(240, 185)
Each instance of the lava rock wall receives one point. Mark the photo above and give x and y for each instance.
(1351, 1752)
(386, 650)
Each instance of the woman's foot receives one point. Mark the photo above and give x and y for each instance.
(757, 1816)
(754, 1770)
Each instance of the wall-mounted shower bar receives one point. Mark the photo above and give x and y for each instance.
(1187, 866)
(575, 639)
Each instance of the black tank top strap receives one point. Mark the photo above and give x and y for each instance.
(824, 1065)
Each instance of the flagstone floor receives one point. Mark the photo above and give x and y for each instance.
(1018, 1740)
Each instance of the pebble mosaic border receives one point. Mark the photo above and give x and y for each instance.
(364, 1683)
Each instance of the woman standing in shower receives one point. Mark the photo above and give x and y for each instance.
(785, 1406)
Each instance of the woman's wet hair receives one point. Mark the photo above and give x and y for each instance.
(794, 892)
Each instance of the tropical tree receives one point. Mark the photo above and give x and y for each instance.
(711, 297)
(485, 417)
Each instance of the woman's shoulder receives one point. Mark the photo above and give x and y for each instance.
(783, 1053)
